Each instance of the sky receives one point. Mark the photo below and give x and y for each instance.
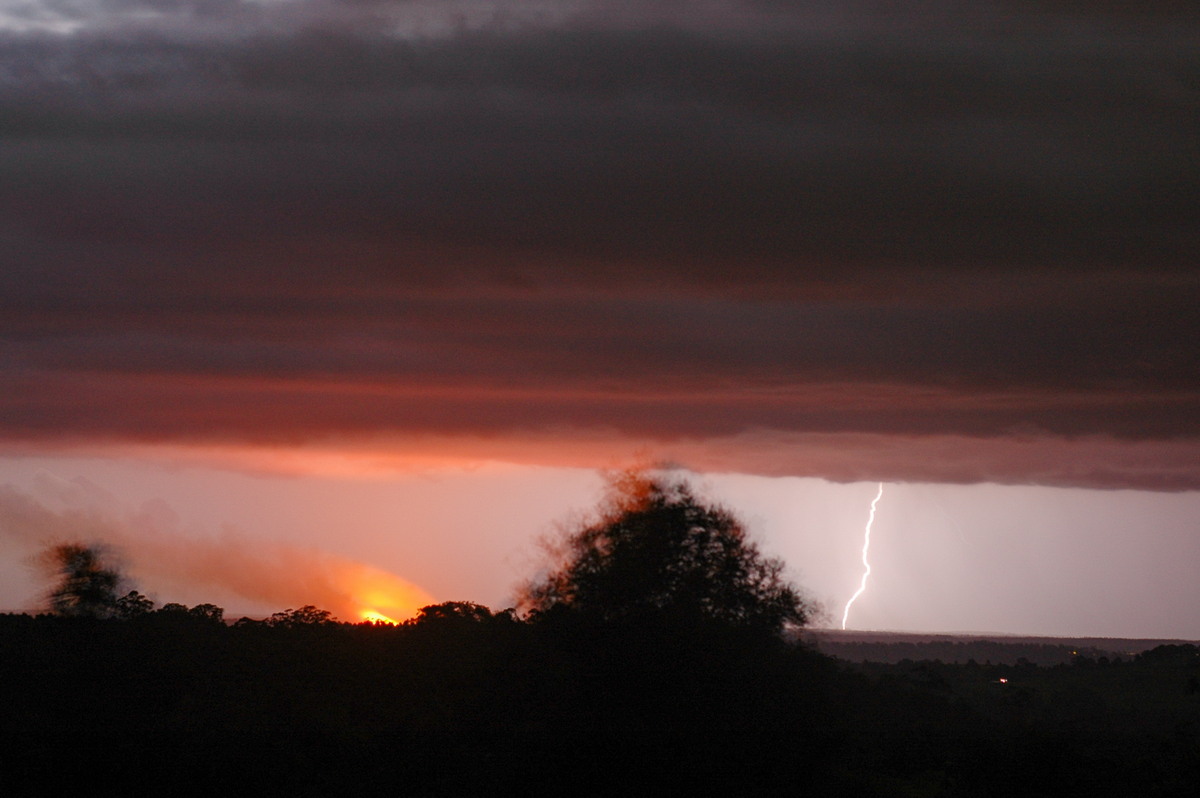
(368, 292)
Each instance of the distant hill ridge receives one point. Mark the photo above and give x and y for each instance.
(892, 647)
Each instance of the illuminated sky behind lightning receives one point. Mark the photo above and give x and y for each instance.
(984, 558)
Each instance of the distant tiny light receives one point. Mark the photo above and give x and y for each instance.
(1002, 681)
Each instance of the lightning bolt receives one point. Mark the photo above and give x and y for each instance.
(866, 563)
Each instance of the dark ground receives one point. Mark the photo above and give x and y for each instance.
(490, 705)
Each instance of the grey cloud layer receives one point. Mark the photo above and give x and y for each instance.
(993, 202)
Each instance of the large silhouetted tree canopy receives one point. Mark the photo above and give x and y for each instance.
(656, 551)
(87, 585)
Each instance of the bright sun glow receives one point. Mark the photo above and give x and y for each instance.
(377, 595)
(376, 617)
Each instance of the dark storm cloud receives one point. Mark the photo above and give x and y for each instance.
(667, 219)
(823, 145)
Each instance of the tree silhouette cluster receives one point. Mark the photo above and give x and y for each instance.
(305, 616)
(657, 550)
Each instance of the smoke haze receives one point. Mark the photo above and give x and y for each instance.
(163, 560)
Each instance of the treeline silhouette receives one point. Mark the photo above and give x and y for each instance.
(654, 655)
(464, 701)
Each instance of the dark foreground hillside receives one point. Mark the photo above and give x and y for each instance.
(482, 704)
(453, 707)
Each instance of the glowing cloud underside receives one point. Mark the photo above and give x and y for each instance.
(866, 562)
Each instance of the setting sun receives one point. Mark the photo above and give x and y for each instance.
(378, 595)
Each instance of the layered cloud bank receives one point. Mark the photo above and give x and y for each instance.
(956, 243)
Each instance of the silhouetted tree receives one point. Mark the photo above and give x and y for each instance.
(453, 612)
(133, 605)
(308, 615)
(207, 612)
(658, 551)
(87, 586)
(178, 614)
